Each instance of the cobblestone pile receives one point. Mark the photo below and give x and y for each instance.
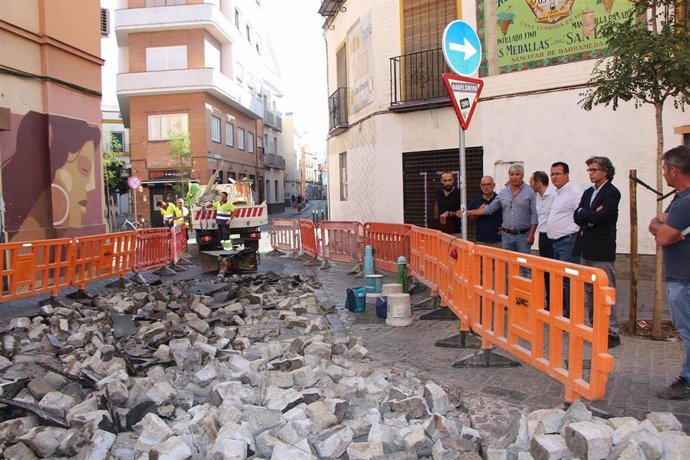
(576, 433)
(243, 367)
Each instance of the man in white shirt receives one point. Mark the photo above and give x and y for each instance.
(561, 227)
(544, 196)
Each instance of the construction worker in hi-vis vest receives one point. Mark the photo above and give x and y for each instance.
(167, 211)
(224, 211)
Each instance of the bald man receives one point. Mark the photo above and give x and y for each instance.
(487, 225)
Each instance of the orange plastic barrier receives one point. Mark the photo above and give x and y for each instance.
(36, 267)
(102, 256)
(388, 241)
(508, 311)
(152, 249)
(454, 260)
(307, 236)
(341, 241)
(424, 247)
(178, 242)
(284, 235)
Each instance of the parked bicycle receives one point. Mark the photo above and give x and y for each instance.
(130, 225)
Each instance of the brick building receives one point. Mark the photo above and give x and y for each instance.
(203, 67)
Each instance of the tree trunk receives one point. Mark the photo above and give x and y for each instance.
(658, 272)
(634, 260)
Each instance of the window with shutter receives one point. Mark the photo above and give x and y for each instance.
(105, 22)
(423, 25)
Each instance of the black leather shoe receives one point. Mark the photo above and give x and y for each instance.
(614, 341)
(679, 389)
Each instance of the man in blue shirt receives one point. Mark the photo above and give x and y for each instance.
(517, 202)
(670, 232)
(487, 226)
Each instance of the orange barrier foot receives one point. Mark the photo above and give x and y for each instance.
(486, 358)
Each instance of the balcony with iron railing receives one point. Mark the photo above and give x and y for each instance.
(337, 111)
(274, 161)
(273, 120)
(416, 80)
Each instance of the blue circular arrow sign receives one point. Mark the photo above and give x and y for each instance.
(461, 48)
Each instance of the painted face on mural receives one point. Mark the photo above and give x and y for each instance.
(73, 182)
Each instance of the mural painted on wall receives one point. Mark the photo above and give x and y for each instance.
(361, 63)
(51, 177)
(526, 34)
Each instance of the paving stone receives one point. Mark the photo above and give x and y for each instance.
(676, 445)
(319, 414)
(550, 447)
(101, 443)
(437, 427)
(413, 408)
(588, 439)
(19, 451)
(260, 419)
(388, 436)
(57, 403)
(577, 412)
(665, 421)
(364, 450)
(651, 445)
(42, 440)
(436, 398)
(331, 444)
(551, 421)
(161, 393)
(14, 428)
(416, 441)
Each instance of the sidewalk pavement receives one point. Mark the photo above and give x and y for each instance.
(489, 395)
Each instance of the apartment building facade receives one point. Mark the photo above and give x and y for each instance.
(50, 74)
(292, 154)
(202, 67)
(392, 130)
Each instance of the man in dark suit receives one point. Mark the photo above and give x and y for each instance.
(597, 216)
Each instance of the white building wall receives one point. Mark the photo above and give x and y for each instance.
(531, 116)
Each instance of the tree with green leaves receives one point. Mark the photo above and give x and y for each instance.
(181, 153)
(649, 63)
(112, 177)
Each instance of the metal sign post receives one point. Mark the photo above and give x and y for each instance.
(134, 183)
(462, 51)
(463, 188)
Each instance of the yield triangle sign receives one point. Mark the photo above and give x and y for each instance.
(464, 93)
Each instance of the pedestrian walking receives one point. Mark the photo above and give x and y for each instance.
(597, 216)
(670, 232)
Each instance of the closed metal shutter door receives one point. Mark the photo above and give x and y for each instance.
(421, 177)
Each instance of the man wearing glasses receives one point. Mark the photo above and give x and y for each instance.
(597, 216)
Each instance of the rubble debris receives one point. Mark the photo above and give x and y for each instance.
(240, 367)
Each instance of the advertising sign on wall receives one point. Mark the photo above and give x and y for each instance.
(526, 34)
(361, 63)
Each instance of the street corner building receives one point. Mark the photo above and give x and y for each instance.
(392, 129)
(50, 74)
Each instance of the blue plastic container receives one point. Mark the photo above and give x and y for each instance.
(356, 299)
(382, 307)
